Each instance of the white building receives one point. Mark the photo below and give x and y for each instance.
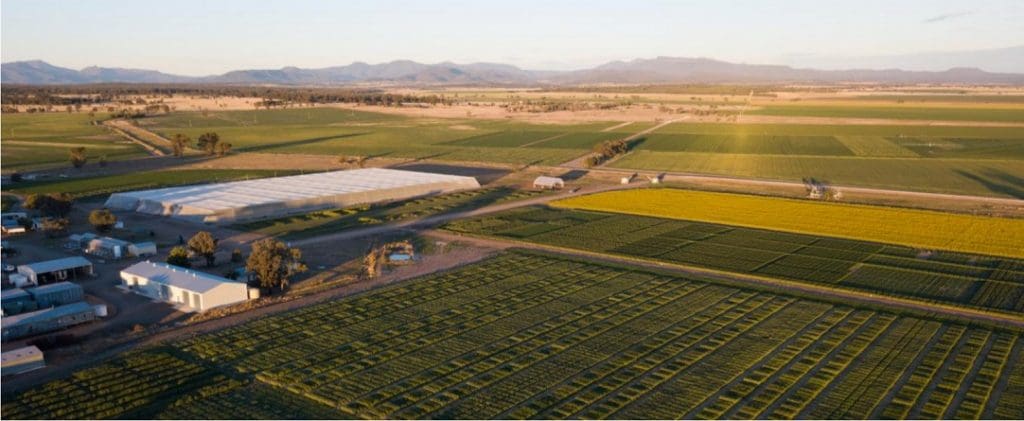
(20, 360)
(281, 196)
(188, 289)
(545, 182)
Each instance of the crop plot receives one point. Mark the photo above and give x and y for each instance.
(527, 335)
(948, 277)
(747, 144)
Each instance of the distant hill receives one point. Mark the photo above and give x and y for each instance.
(405, 72)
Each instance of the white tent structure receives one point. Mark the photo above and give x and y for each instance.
(545, 182)
(280, 196)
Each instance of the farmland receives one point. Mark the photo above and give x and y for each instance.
(526, 335)
(334, 220)
(951, 159)
(984, 282)
(914, 228)
(911, 112)
(337, 131)
(100, 185)
(42, 140)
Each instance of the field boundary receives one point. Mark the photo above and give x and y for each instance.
(918, 308)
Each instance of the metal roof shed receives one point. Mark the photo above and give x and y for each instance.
(191, 290)
(20, 360)
(56, 270)
(56, 294)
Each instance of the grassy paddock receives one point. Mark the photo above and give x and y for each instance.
(93, 186)
(41, 140)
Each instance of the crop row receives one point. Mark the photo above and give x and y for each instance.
(980, 281)
(525, 335)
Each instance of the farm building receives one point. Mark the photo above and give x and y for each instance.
(56, 294)
(545, 182)
(47, 320)
(190, 290)
(17, 361)
(280, 196)
(15, 301)
(56, 270)
(107, 247)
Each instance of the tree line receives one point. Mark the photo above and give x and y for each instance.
(133, 94)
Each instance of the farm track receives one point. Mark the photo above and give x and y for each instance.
(151, 142)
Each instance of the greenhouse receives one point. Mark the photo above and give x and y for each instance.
(282, 196)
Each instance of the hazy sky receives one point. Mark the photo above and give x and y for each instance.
(214, 36)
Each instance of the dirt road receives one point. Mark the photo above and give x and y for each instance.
(151, 142)
(433, 221)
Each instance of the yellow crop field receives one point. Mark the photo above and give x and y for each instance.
(915, 228)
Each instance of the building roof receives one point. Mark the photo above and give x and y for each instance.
(180, 277)
(145, 244)
(57, 286)
(21, 355)
(210, 198)
(56, 264)
(48, 313)
(10, 294)
(547, 180)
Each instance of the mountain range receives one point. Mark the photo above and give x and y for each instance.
(660, 70)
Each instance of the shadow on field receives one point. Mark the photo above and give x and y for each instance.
(484, 175)
(998, 181)
(573, 175)
(299, 142)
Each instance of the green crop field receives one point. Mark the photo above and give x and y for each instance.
(908, 112)
(93, 186)
(987, 161)
(40, 140)
(334, 220)
(990, 283)
(526, 335)
(337, 131)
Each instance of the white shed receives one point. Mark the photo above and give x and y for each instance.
(188, 289)
(545, 182)
(20, 360)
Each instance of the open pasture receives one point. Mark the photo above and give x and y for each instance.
(914, 228)
(1011, 112)
(984, 282)
(335, 131)
(99, 185)
(39, 140)
(526, 335)
(986, 161)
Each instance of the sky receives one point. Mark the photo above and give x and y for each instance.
(214, 36)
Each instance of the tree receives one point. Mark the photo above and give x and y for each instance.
(102, 219)
(77, 156)
(204, 245)
(54, 205)
(236, 256)
(273, 263)
(223, 148)
(179, 257)
(178, 144)
(55, 227)
(208, 142)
